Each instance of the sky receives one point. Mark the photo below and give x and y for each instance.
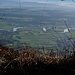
(65, 3)
(38, 0)
(42, 1)
(47, 0)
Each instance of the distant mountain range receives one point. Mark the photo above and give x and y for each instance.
(55, 6)
(11, 3)
(14, 4)
(7, 3)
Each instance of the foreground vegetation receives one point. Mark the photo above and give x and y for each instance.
(27, 62)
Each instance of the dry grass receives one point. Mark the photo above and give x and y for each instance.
(22, 57)
(27, 56)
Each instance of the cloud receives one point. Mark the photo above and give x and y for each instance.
(67, 5)
(34, 0)
(42, 1)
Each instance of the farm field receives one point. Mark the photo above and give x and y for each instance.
(31, 27)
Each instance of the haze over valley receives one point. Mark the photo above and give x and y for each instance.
(36, 25)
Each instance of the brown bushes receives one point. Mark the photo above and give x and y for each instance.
(26, 56)
(17, 59)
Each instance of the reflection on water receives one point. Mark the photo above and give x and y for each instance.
(44, 29)
(15, 29)
(66, 30)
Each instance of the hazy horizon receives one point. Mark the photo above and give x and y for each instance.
(56, 4)
(39, 0)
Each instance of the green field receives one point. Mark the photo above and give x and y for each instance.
(32, 33)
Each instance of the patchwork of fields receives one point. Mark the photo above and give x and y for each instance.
(29, 26)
